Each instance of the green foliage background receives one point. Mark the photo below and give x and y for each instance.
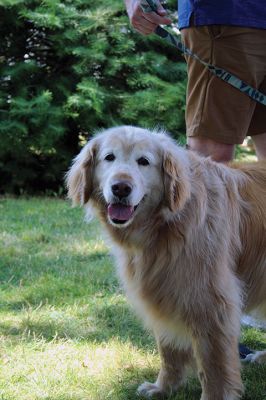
(68, 68)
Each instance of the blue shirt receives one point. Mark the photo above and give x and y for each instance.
(245, 13)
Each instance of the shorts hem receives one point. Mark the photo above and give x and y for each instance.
(225, 138)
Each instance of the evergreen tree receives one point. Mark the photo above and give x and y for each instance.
(68, 68)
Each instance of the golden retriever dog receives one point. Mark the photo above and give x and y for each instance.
(189, 237)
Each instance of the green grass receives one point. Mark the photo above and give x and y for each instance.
(66, 331)
(245, 152)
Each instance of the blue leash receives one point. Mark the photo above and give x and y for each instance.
(151, 6)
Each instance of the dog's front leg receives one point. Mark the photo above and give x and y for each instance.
(171, 375)
(218, 366)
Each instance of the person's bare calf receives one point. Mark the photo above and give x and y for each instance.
(220, 152)
(260, 145)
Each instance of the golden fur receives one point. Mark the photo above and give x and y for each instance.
(192, 254)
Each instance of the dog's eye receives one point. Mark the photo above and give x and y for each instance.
(110, 157)
(143, 161)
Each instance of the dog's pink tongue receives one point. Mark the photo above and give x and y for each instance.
(120, 212)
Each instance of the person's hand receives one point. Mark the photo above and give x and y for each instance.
(146, 23)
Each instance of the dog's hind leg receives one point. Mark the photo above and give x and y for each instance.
(171, 375)
(257, 357)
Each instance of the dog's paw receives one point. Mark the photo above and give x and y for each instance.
(151, 390)
(259, 357)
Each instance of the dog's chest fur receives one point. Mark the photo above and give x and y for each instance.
(145, 289)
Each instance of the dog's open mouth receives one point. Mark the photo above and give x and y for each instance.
(120, 213)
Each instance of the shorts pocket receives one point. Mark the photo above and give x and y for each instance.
(215, 31)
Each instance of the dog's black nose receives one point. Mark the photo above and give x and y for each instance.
(121, 189)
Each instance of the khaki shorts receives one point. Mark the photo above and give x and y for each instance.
(215, 109)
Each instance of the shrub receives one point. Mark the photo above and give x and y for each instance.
(68, 68)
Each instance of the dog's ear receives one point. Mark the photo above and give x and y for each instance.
(79, 179)
(176, 180)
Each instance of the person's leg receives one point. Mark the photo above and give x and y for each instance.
(220, 152)
(260, 145)
(257, 128)
(218, 116)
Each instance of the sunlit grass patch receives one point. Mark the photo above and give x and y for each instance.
(61, 369)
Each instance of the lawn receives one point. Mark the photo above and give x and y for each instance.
(66, 330)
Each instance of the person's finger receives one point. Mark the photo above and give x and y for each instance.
(160, 9)
(144, 30)
(136, 22)
(144, 26)
(144, 22)
(151, 21)
(160, 16)
(157, 19)
(160, 19)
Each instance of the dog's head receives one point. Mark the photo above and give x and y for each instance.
(128, 172)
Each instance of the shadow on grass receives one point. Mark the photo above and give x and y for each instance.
(80, 301)
(27, 269)
(106, 322)
(57, 279)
